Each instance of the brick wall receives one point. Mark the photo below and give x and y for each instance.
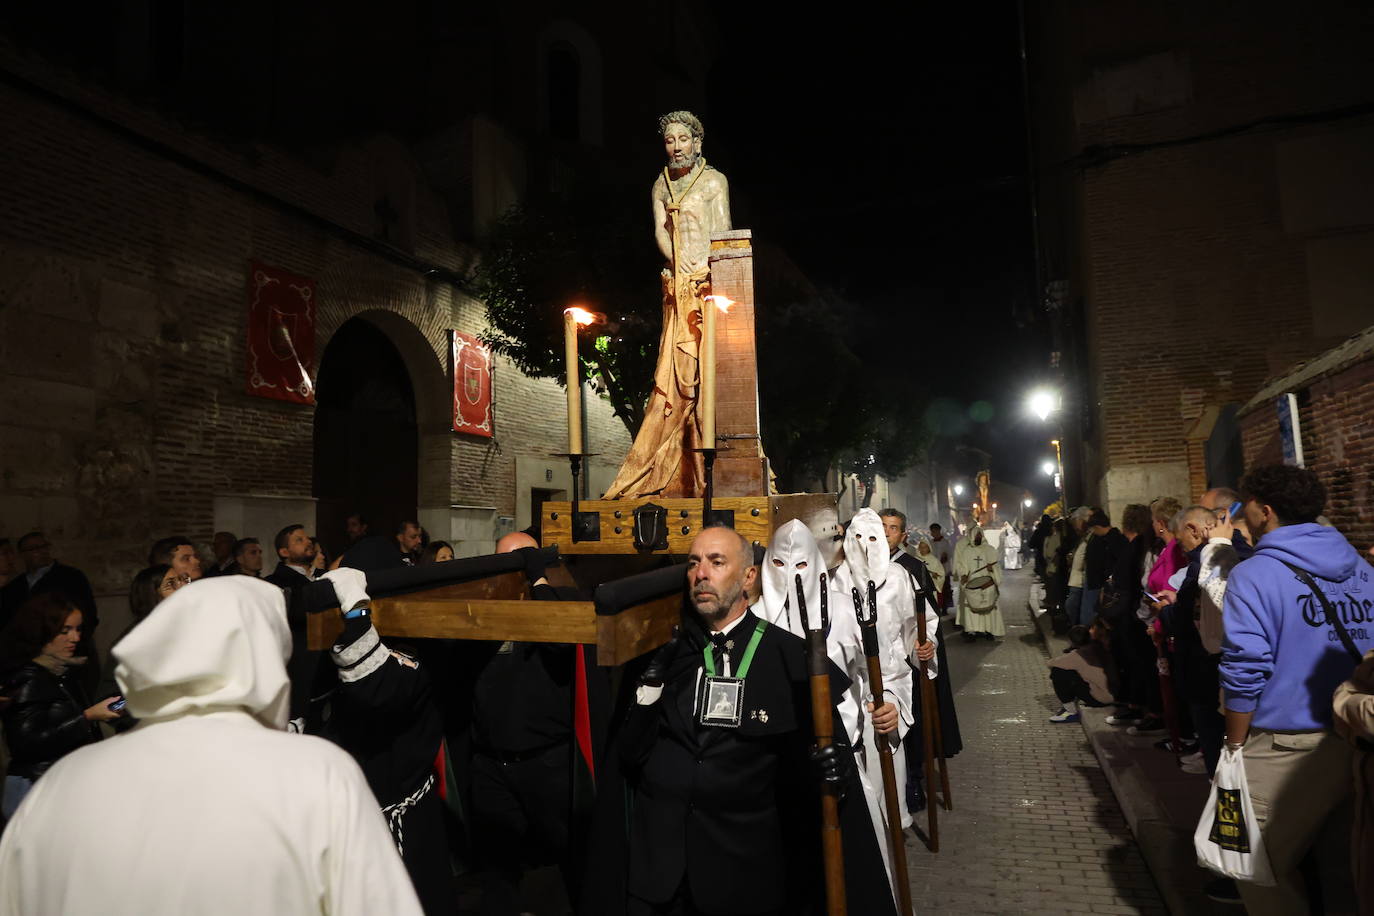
(122, 307)
(1336, 417)
(1194, 289)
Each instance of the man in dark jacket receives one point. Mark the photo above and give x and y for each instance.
(1105, 546)
(715, 751)
(295, 554)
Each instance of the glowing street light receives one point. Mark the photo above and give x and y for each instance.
(1027, 503)
(1048, 468)
(1043, 402)
(958, 489)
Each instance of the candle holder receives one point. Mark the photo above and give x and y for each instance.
(709, 515)
(585, 526)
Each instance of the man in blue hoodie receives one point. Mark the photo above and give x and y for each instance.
(1281, 661)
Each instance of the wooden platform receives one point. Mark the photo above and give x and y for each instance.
(755, 517)
(497, 606)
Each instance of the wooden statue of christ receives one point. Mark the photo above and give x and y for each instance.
(691, 202)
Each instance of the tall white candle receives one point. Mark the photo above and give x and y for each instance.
(571, 319)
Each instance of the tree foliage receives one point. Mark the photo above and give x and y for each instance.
(598, 253)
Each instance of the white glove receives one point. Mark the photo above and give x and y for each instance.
(350, 586)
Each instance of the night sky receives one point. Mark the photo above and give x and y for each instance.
(888, 159)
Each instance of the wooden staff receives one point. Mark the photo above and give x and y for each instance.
(934, 707)
(818, 666)
(868, 625)
(930, 730)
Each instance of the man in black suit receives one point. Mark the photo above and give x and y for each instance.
(715, 750)
(295, 554)
(44, 574)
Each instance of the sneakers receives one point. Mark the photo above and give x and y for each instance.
(1065, 715)
(1193, 763)
(1149, 725)
(1123, 719)
(1222, 890)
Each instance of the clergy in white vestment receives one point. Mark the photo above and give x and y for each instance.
(1011, 547)
(867, 559)
(978, 569)
(208, 806)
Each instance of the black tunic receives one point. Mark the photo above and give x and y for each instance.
(383, 714)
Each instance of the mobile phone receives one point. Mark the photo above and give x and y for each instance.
(118, 705)
(1235, 509)
(1153, 597)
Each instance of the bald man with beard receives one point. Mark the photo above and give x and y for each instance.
(522, 752)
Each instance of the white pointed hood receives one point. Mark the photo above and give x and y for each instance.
(217, 644)
(865, 550)
(792, 551)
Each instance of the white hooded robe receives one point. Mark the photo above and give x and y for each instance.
(208, 806)
(972, 560)
(867, 558)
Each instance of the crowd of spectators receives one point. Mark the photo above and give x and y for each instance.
(50, 671)
(1203, 626)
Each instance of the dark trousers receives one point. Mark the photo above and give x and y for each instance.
(1140, 672)
(521, 810)
(1070, 687)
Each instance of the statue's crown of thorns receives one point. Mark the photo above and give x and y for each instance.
(682, 117)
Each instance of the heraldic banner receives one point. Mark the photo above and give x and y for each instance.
(471, 361)
(281, 334)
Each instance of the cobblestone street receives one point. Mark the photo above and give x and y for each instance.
(1035, 827)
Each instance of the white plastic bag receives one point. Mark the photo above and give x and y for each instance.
(1227, 838)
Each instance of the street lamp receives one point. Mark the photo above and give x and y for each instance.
(1042, 402)
(1048, 468)
(958, 489)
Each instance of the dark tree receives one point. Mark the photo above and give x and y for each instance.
(598, 253)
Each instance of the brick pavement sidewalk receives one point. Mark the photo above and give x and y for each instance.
(1035, 828)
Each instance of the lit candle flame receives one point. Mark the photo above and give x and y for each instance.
(581, 315)
(722, 302)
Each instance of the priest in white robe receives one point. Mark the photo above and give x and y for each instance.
(208, 806)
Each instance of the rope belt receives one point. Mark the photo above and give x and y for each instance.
(394, 813)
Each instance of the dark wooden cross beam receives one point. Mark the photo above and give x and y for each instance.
(488, 598)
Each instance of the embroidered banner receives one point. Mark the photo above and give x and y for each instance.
(471, 362)
(281, 334)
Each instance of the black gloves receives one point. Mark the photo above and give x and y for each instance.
(657, 672)
(834, 764)
(534, 563)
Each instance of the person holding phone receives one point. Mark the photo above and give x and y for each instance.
(49, 714)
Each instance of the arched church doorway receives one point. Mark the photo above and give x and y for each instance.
(366, 451)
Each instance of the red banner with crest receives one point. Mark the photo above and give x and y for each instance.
(471, 362)
(281, 334)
